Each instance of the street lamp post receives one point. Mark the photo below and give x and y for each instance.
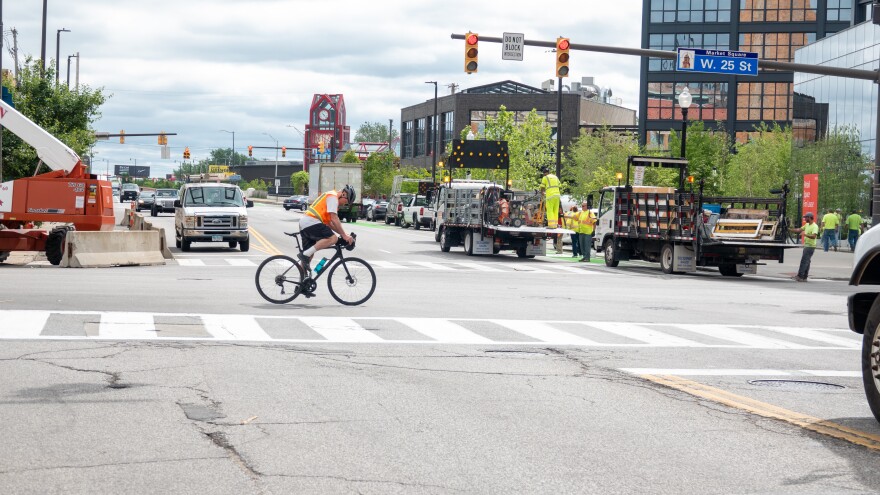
(232, 158)
(433, 135)
(275, 179)
(684, 102)
(58, 52)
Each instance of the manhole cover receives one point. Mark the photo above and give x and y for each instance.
(797, 384)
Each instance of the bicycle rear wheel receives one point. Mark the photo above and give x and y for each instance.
(278, 278)
(351, 281)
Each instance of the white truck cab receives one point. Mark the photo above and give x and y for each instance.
(864, 312)
(211, 212)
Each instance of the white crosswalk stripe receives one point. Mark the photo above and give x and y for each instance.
(19, 324)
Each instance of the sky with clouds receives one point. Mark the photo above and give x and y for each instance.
(196, 67)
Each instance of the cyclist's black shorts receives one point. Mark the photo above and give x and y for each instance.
(315, 233)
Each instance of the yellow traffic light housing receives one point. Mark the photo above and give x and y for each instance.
(163, 139)
(186, 153)
(471, 52)
(283, 151)
(562, 56)
(122, 137)
(321, 147)
(250, 151)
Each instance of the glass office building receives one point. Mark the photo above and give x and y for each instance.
(837, 102)
(774, 29)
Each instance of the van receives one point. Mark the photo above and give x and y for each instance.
(211, 212)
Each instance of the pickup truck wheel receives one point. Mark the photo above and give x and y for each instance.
(416, 223)
(729, 271)
(245, 246)
(185, 245)
(444, 241)
(871, 358)
(154, 212)
(55, 245)
(469, 243)
(521, 251)
(4, 255)
(666, 258)
(610, 256)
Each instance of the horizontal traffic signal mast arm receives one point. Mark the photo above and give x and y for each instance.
(279, 147)
(107, 135)
(867, 75)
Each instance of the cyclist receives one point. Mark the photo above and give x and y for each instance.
(321, 220)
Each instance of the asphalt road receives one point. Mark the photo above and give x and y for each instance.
(461, 374)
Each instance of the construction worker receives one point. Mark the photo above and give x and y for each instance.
(550, 189)
(586, 221)
(571, 223)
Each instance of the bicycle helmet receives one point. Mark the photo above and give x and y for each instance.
(349, 193)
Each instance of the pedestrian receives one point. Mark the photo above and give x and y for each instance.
(586, 223)
(811, 232)
(840, 228)
(854, 225)
(550, 189)
(571, 223)
(829, 230)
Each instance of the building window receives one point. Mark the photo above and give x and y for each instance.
(419, 137)
(447, 122)
(670, 42)
(407, 147)
(777, 10)
(430, 137)
(775, 46)
(480, 117)
(709, 101)
(765, 102)
(839, 10)
(690, 11)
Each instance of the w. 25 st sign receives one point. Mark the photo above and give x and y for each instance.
(717, 61)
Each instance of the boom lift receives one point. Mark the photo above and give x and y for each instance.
(68, 195)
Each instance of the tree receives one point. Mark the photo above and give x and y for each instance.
(844, 170)
(761, 164)
(708, 154)
(350, 157)
(594, 159)
(373, 132)
(68, 115)
(225, 156)
(378, 174)
(299, 181)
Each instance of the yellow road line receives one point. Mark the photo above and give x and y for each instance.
(266, 246)
(817, 425)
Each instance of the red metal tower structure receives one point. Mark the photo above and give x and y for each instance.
(326, 129)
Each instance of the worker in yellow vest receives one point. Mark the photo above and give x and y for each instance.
(550, 189)
(571, 223)
(586, 223)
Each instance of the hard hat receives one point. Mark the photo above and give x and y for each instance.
(808, 214)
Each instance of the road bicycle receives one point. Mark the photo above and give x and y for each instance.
(281, 279)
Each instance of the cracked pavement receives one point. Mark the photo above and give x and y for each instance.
(154, 417)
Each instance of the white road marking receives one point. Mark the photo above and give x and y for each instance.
(544, 332)
(340, 329)
(22, 324)
(643, 333)
(235, 327)
(444, 331)
(240, 262)
(190, 262)
(433, 266)
(388, 264)
(127, 326)
(477, 266)
(740, 337)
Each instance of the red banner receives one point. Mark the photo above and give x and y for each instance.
(811, 195)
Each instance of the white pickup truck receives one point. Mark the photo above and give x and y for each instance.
(417, 213)
(864, 312)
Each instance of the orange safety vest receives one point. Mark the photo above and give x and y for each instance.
(318, 208)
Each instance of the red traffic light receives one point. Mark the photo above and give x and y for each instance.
(472, 39)
(563, 44)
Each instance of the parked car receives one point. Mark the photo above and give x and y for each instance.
(130, 192)
(365, 205)
(395, 207)
(377, 211)
(296, 203)
(164, 201)
(145, 200)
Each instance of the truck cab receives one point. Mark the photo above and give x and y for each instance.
(864, 312)
(211, 212)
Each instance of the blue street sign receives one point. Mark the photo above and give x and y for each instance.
(717, 61)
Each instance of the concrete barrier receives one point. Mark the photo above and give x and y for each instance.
(117, 248)
(163, 241)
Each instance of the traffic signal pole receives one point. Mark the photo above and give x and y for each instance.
(865, 75)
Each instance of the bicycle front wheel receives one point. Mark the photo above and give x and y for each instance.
(278, 279)
(351, 281)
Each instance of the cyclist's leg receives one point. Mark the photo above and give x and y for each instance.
(315, 238)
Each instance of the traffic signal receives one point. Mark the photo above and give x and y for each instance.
(250, 151)
(562, 46)
(321, 147)
(283, 151)
(163, 139)
(186, 153)
(122, 137)
(470, 52)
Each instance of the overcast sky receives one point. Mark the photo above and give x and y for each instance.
(195, 67)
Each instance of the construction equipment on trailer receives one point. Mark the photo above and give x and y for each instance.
(677, 228)
(68, 194)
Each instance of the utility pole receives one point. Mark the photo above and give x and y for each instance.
(43, 47)
(432, 135)
(1, 86)
(559, 130)
(58, 53)
(390, 127)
